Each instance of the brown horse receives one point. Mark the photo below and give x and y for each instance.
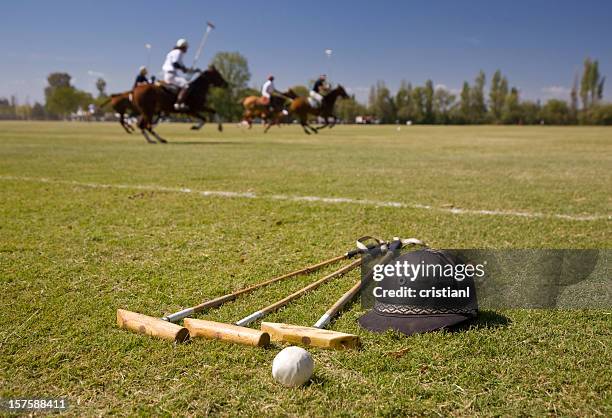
(121, 104)
(151, 100)
(301, 108)
(253, 108)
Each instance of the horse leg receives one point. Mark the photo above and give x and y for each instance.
(128, 128)
(144, 126)
(201, 122)
(325, 124)
(334, 121)
(304, 125)
(159, 138)
(199, 116)
(214, 113)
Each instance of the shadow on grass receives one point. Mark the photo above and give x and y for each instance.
(485, 320)
(316, 380)
(205, 143)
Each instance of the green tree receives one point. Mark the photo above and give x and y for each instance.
(38, 111)
(511, 112)
(591, 85)
(235, 70)
(497, 96)
(418, 98)
(574, 101)
(101, 87)
(7, 108)
(602, 114)
(555, 112)
(477, 99)
(466, 104)
(347, 110)
(62, 98)
(404, 103)
(529, 113)
(381, 103)
(65, 100)
(428, 93)
(58, 80)
(444, 102)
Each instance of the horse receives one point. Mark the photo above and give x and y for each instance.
(121, 104)
(253, 108)
(150, 100)
(302, 108)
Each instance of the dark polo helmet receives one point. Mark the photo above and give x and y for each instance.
(411, 315)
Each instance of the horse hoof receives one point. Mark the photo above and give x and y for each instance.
(220, 128)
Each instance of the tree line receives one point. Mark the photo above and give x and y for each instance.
(501, 104)
(426, 104)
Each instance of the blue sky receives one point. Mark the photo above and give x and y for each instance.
(539, 45)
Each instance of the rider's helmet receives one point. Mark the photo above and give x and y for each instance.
(143, 70)
(182, 43)
(270, 77)
(323, 76)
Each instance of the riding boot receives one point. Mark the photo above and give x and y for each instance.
(180, 105)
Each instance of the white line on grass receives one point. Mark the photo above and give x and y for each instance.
(318, 199)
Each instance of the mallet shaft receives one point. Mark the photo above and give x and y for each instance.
(213, 303)
(337, 307)
(256, 315)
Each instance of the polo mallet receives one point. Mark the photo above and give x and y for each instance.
(209, 28)
(166, 328)
(317, 336)
(148, 48)
(328, 54)
(238, 332)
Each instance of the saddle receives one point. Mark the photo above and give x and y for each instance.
(170, 88)
(262, 101)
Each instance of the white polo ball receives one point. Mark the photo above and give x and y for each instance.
(292, 367)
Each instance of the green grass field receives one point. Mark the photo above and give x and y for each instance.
(81, 236)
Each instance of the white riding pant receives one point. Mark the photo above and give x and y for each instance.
(316, 96)
(172, 78)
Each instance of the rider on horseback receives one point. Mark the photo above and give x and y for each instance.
(319, 89)
(174, 63)
(267, 91)
(141, 78)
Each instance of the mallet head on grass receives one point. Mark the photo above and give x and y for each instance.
(154, 327)
(310, 336)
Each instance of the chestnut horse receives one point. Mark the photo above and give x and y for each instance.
(121, 104)
(301, 108)
(253, 108)
(151, 100)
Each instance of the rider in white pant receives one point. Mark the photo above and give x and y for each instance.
(318, 89)
(172, 65)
